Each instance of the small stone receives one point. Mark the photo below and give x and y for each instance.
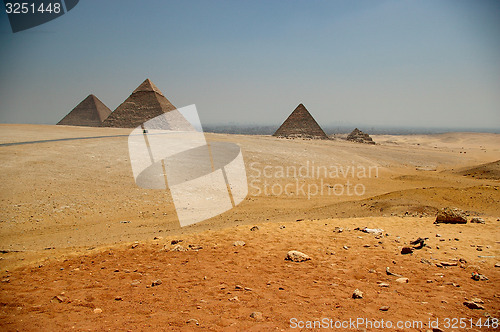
(234, 299)
(256, 315)
(473, 305)
(238, 287)
(402, 280)
(97, 310)
(438, 235)
(239, 243)
(383, 284)
(58, 299)
(282, 226)
(175, 241)
(497, 265)
(406, 250)
(118, 298)
(430, 281)
(156, 283)
(195, 247)
(178, 247)
(357, 294)
(384, 308)
(372, 271)
(346, 247)
(477, 220)
(449, 263)
(192, 321)
(254, 228)
(296, 256)
(157, 238)
(477, 300)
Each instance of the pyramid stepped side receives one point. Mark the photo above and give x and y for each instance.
(360, 137)
(91, 112)
(301, 124)
(145, 103)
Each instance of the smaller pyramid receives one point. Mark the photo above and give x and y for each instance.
(91, 112)
(360, 137)
(300, 124)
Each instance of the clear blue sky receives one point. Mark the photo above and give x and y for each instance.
(404, 63)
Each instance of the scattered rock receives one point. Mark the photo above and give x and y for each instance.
(451, 216)
(473, 305)
(406, 250)
(357, 294)
(97, 310)
(449, 263)
(384, 308)
(178, 247)
(370, 230)
(175, 241)
(296, 256)
(282, 226)
(476, 276)
(402, 280)
(389, 273)
(257, 315)
(58, 299)
(192, 321)
(338, 230)
(254, 228)
(125, 222)
(477, 220)
(477, 300)
(419, 242)
(156, 283)
(239, 243)
(195, 247)
(234, 299)
(383, 284)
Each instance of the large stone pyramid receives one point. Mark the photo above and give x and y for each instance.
(91, 112)
(145, 103)
(300, 124)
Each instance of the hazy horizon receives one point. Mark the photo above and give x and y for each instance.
(404, 64)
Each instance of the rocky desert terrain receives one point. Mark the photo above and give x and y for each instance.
(83, 248)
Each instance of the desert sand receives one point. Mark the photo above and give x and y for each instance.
(82, 245)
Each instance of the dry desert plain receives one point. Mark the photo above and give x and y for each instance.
(83, 248)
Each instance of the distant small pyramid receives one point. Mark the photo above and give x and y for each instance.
(91, 112)
(360, 137)
(145, 103)
(300, 124)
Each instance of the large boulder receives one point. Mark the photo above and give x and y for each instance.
(451, 216)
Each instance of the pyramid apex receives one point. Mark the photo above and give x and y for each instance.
(148, 86)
